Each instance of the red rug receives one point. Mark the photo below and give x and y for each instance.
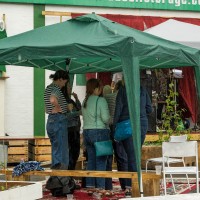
(83, 195)
(181, 187)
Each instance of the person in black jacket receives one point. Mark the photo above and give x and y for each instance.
(121, 114)
(74, 125)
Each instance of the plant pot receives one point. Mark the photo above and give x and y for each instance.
(20, 190)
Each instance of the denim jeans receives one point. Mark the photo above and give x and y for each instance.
(121, 160)
(58, 135)
(95, 162)
(129, 149)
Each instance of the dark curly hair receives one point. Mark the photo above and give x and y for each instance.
(60, 74)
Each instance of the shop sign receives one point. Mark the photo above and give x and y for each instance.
(187, 5)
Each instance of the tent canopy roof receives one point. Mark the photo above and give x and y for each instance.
(181, 32)
(94, 44)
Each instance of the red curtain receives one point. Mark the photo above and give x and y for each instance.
(105, 77)
(90, 75)
(187, 90)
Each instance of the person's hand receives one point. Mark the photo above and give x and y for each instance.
(70, 107)
(75, 95)
(56, 109)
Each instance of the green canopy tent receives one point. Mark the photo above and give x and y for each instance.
(95, 44)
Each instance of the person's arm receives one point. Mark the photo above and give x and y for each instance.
(113, 81)
(78, 103)
(104, 111)
(54, 102)
(112, 85)
(118, 106)
(148, 103)
(71, 115)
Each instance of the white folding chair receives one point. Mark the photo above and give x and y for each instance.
(180, 150)
(180, 138)
(168, 161)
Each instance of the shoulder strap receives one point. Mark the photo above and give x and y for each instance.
(96, 112)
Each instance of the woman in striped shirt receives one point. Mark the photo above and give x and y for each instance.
(56, 107)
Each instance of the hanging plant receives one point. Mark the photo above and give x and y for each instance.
(172, 123)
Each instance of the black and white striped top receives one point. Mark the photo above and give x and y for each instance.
(54, 90)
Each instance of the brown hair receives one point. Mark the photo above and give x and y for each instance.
(91, 85)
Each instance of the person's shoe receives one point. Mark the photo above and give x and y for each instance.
(128, 194)
(90, 193)
(77, 187)
(108, 193)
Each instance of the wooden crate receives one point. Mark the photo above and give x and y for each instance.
(40, 150)
(17, 151)
(150, 152)
(40, 142)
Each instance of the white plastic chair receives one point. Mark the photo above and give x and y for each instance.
(181, 138)
(180, 149)
(168, 161)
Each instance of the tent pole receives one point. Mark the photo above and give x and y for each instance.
(141, 185)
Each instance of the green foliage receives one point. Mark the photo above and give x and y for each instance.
(2, 188)
(2, 165)
(172, 118)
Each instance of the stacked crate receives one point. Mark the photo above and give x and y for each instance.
(17, 151)
(40, 150)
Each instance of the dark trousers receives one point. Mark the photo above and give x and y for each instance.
(121, 160)
(74, 146)
(129, 149)
(125, 155)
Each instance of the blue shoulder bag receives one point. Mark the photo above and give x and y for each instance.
(123, 130)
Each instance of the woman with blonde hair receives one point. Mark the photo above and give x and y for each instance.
(95, 128)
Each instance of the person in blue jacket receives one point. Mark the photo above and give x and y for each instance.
(121, 114)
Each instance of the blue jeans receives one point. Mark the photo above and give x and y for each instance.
(95, 162)
(58, 135)
(121, 160)
(129, 149)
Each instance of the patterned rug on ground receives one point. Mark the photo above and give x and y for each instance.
(181, 187)
(83, 195)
